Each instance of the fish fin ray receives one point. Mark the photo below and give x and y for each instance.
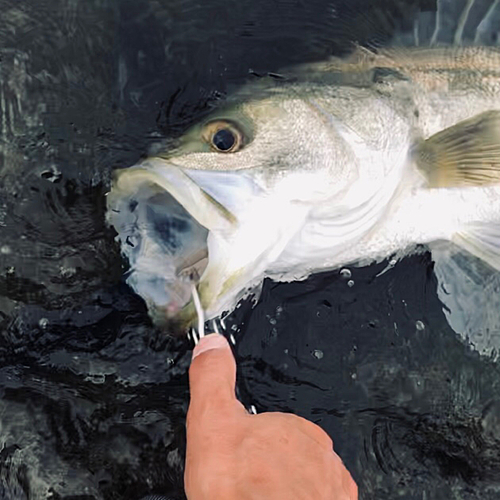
(466, 154)
(481, 240)
(488, 29)
(453, 23)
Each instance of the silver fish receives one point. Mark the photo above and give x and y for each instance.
(347, 161)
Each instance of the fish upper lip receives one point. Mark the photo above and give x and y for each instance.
(208, 211)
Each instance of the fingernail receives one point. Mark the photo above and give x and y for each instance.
(208, 342)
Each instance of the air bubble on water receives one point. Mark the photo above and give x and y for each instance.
(67, 272)
(317, 353)
(96, 378)
(43, 323)
(419, 325)
(51, 175)
(350, 283)
(345, 273)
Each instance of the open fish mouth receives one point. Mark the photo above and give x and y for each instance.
(163, 219)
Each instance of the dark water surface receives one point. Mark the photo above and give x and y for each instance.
(93, 397)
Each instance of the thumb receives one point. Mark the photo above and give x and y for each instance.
(212, 375)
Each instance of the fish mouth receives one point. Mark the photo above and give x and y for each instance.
(163, 220)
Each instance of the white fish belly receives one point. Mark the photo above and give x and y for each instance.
(417, 216)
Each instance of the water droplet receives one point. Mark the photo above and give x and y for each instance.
(232, 339)
(354, 376)
(286, 351)
(5, 250)
(419, 325)
(345, 273)
(318, 354)
(272, 321)
(350, 283)
(234, 327)
(43, 323)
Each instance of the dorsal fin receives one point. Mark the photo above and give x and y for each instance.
(454, 22)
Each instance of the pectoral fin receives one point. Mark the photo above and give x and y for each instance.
(466, 154)
(481, 240)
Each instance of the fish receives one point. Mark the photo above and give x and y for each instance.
(346, 161)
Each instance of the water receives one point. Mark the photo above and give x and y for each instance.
(93, 397)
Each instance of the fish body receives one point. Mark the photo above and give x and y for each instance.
(347, 161)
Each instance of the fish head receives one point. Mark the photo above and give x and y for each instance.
(218, 208)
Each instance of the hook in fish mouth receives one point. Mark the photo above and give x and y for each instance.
(163, 219)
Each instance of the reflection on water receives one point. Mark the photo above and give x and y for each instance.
(93, 398)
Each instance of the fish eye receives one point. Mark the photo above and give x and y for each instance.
(224, 139)
(223, 136)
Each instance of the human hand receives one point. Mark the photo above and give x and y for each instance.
(234, 455)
